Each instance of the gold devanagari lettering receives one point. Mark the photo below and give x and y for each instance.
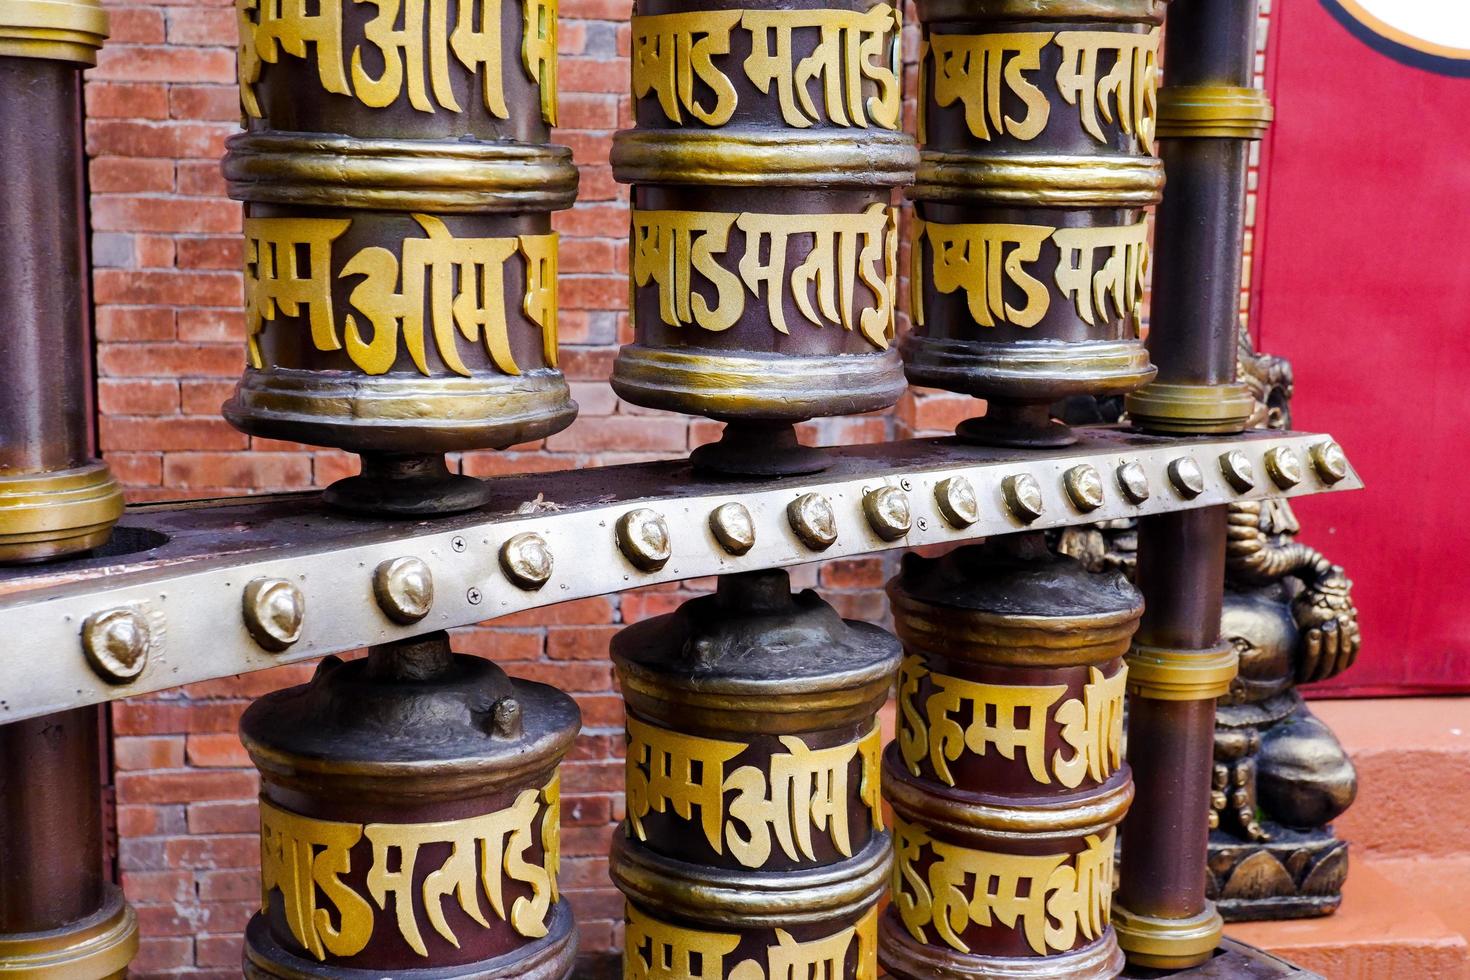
(673, 952)
(667, 768)
(852, 48)
(672, 51)
(913, 731)
(288, 264)
(656, 950)
(1051, 898)
(1128, 89)
(538, 52)
(540, 302)
(1121, 278)
(669, 247)
(977, 70)
(981, 259)
(269, 27)
(401, 50)
(1093, 728)
(301, 856)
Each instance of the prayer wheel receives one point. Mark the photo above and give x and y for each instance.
(56, 497)
(754, 845)
(400, 266)
(1030, 247)
(763, 252)
(410, 821)
(1006, 779)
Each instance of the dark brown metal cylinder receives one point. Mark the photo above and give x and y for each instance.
(1007, 778)
(754, 844)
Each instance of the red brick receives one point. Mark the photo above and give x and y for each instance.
(133, 25)
(579, 642)
(568, 676)
(500, 645)
(620, 433)
(119, 100)
(183, 786)
(204, 397)
(215, 326)
(225, 951)
(154, 251)
(173, 360)
(149, 887)
(112, 212)
(148, 752)
(229, 886)
(210, 102)
(112, 174)
(214, 851)
(164, 288)
(200, 178)
(136, 469)
(161, 953)
(596, 610)
(215, 749)
(135, 323)
(131, 432)
(211, 253)
(193, 25)
(252, 471)
(136, 396)
(160, 64)
(855, 573)
(224, 817)
(175, 717)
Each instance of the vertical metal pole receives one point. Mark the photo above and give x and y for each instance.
(1208, 111)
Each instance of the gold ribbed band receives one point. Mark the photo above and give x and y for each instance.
(1183, 409)
(764, 158)
(1167, 944)
(903, 956)
(95, 948)
(1181, 675)
(441, 176)
(1034, 370)
(43, 515)
(971, 11)
(56, 30)
(969, 817)
(1218, 111)
(1039, 180)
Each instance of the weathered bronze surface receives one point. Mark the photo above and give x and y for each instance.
(1007, 778)
(764, 246)
(1030, 249)
(400, 264)
(410, 820)
(754, 844)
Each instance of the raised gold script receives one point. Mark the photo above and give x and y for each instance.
(679, 953)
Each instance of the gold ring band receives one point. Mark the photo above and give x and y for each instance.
(1213, 111)
(1181, 675)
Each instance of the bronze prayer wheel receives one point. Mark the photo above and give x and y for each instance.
(56, 497)
(754, 844)
(763, 252)
(410, 821)
(400, 265)
(1030, 246)
(1006, 779)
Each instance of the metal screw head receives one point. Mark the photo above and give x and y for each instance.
(1187, 477)
(1329, 461)
(643, 537)
(1023, 496)
(526, 560)
(888, 511)
(1284, 467)
(1133, 481)
(457, 543)
(733, 528)
(1084, 487)
(1239, 472)
(404, 588)
(473, 596)
(955, 498)
(116, 642)
(274, 610)
(812, 519)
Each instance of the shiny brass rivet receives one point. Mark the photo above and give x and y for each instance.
(1133, 481)
(643, 538)
(1023, 496)
(1284, 466)
(956, 499)
(812, 519)
(733, 528)
(526, 560)
(274, 610)
(1329, 461)
(1187, 477)
(404, 588)
(116, 643)
(888, 511)
(1084, 486)
(1238, 471)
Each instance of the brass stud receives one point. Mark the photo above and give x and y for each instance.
(956, 499)
(526, 560)
(733, 528)
(1284, 467)
(1330, 462)
(116, 642)
(274, 610)
(1238, 471)
(1085, 486)
(1023, 496)
(643, 538)
(404, 588)
(1187, 477)
(812, 519)
(888, 512)
(1133, 481)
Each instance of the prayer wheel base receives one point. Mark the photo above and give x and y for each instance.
(553, 957)
(758, 449)
(1231, 960)
(906, 959)
(406, 486)
(48, 515)
(98, 947)
(1158, 943)
(1190, 410)
(1017, 426)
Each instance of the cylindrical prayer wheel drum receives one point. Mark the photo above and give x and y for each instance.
(1006, 779)
(400, 266)
(754, 846)
(410, 821)
(56, 497)
(764, 249)
(1030, 248)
